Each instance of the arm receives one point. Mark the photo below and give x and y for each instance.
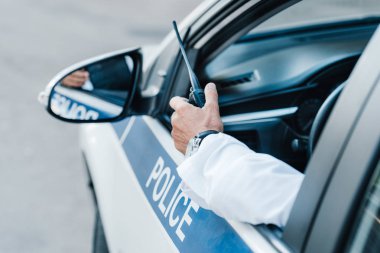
(225, 175)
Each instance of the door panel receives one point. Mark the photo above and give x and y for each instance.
(183, 220)
(133, 166)
(129, 222)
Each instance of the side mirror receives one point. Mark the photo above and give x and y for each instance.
(100, 89)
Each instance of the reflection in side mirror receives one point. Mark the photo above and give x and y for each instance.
(97, 90)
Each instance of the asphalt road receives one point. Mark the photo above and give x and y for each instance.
(45, 205)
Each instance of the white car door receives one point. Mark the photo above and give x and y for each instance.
(141, 204)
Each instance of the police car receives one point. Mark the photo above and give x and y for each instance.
(299, 80)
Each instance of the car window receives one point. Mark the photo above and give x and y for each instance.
(365, 237)
(290, 46)
(324, 11)
(272, 84)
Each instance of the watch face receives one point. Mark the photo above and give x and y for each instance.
(195, 142)
(189, 147)
(192, 146)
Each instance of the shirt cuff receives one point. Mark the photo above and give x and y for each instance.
(191, 169)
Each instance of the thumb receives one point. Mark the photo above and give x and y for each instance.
(211, 95)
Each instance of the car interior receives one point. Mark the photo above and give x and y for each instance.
(272, 84)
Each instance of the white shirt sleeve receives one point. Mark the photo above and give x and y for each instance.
(224, 175)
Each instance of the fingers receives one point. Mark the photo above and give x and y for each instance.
(178, 102)
(72, 82)
(80, 74)
(211, 95)
(76, 79)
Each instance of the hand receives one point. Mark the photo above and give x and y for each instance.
(188, 120)
(75, 79)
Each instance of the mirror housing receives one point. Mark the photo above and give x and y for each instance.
(100, 89)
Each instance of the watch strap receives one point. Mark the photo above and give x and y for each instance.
(204, 134)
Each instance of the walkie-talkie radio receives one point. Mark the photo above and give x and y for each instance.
(197, 95)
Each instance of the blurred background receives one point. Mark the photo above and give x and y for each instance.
(45, 205)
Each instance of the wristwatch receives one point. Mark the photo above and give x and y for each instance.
(196, 141)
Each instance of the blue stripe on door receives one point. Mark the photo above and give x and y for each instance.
(198, 231)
